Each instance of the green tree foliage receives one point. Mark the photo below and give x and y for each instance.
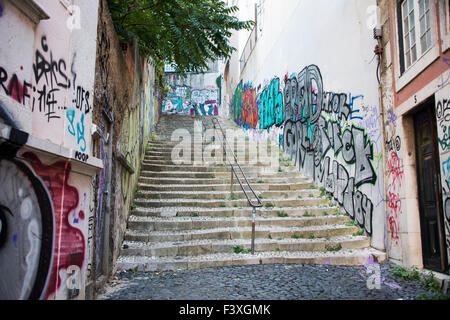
(188, 33)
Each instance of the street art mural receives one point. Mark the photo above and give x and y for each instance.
(26, 232)
(43, 223)
(324, 133)
(184, 100)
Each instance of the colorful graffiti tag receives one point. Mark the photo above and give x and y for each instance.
(318, 132)
(184, 100)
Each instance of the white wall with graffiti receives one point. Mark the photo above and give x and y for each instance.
(442, 98)
(311, 86)
(46, 197)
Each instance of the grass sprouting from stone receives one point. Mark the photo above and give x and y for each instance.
(241, 250)
(307, 214)
(359, 233)
(322, 191)
(330, 247)
(282, 214)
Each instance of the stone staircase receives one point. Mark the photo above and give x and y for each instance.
(184, 216)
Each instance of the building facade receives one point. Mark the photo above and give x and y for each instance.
(414, 82)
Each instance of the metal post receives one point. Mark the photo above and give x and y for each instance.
(253, 230)
(232, 182)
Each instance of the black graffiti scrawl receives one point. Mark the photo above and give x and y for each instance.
(317, 124)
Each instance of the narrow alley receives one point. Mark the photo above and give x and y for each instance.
(251, 150)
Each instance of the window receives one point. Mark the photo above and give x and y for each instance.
(425, 25)
(409, 32)
(415, 30)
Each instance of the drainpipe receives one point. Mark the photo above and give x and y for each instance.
(108, 212)
(379, 52)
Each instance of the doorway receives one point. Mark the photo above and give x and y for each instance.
(434, 252)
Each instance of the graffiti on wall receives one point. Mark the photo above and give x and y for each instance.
(245, 106)
(26, 232)
(69, 252)
(319, 133)
(443, 137)
(53, 82)
(42, 222)
(184, 100)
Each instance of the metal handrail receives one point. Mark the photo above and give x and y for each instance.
(259, 203)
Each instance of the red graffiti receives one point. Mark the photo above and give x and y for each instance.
(16, 89)
(394, 228)
(394, 204)
(395, 170)
(69, 242)
(249, 109)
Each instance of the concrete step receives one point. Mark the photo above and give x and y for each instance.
(244, 148)
(226, 180)
(342, 258)
(239, 142)
(216, 163)
(213, 155)
(198, 247)
(304, 211)
(312, 227)
(146, 203)
(197, 175)
(223, 187)
(206, 168)
(258, 172)
(200, 223)
(226, 195)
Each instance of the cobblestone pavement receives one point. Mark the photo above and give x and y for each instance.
(263, 282)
